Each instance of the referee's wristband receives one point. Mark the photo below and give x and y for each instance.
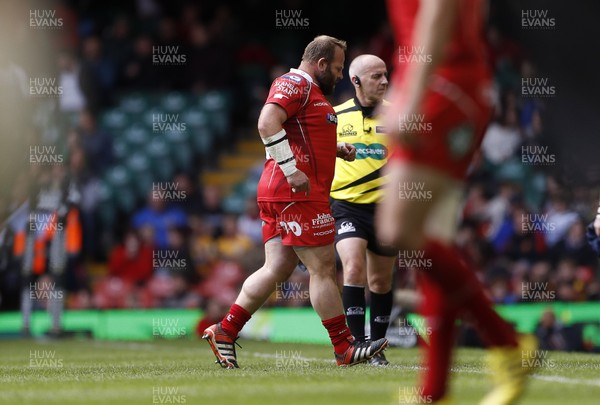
(278, 147)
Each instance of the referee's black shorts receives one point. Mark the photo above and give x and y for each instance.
(358, 221)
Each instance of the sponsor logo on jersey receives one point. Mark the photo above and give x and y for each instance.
(346, 226)
(348, 130)
(321, 104)
(286, 87)
(279, 95)
(375, 151)
(322, 233)
(322, 220)
(331, 118)
(295, 78)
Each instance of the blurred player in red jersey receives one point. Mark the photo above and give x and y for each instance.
(440, 107)
(298, 127)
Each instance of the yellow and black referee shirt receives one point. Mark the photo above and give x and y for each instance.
(360, 181)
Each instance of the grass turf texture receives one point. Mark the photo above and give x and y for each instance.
(183, 371)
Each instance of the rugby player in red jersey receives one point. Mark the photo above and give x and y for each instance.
(298, 127)
(440, 107)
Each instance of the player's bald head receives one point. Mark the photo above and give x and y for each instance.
(363, 63)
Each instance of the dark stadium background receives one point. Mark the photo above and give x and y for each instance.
(242, 64)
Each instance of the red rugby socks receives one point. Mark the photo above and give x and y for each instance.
(338, 333)
(235, 320)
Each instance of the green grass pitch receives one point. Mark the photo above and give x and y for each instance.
(183, 371)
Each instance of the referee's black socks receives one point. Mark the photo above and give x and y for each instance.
(381, 308)
(354, 308)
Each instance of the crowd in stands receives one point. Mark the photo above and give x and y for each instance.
(523, 227)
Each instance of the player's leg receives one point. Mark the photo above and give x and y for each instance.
(323, 288)
(438, 338)
(464, 292)
(381, 298)
(280, 262)
(460, 287)
(379, 275)
(351, 251)
(325, 299)
(410, 217)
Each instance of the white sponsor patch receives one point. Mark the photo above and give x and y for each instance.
(346, 226)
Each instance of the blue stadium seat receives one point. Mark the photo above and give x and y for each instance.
(139, 167)
(174, 102)
(121, 148)
(136, 135)
(134, 103)
(118, 180)
(115, 120)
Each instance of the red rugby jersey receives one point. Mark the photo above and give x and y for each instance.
(311, 130)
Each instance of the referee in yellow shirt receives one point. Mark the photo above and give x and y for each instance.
(356, 188)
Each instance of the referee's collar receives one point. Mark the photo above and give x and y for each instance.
(366, 111)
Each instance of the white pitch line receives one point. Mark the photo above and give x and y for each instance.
(550, 378)
(566, 380)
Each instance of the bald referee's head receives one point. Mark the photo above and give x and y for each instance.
(368, 74)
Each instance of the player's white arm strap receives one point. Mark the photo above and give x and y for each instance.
(278, 147)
